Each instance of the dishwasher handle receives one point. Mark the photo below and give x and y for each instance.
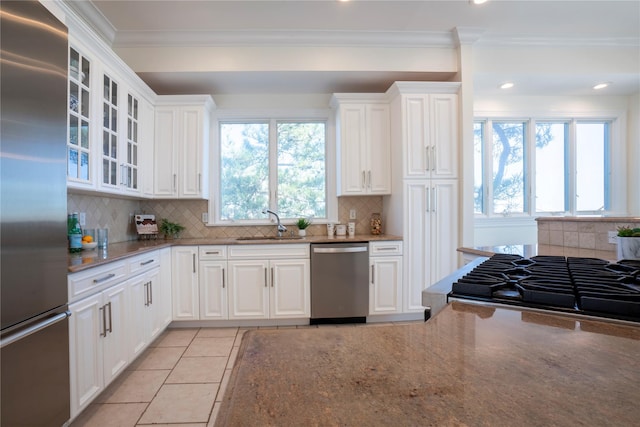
(340, 250)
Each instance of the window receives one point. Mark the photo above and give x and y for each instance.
(564, 169)
(276, 164)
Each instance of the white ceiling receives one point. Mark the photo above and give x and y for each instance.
(148, 24)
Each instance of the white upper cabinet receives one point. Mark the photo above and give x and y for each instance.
(110, 122)
(430, 134)
(181, 149)
(363, 144)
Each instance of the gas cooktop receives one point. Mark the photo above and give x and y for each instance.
(588, 286)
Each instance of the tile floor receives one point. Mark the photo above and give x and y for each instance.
(179, 379)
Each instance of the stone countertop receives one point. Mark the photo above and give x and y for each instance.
(118, 251)
(529, 251)
(472, 365)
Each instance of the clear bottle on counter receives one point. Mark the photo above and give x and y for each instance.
(74, 232)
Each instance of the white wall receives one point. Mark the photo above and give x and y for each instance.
(633, 166)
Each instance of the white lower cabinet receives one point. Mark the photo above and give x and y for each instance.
(385, 277)
(213, 290)
(98, 343)
(184, 278)
(269, 289)
(112, 326)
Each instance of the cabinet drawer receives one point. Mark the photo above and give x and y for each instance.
(279, 251)
(143, 262)
(212, 252)
(85, 283)
(385, 248)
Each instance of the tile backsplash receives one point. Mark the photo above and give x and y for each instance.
(581, 232)
(116, 214)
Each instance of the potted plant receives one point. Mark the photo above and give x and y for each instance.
(302, 225)
(170, 229)
(628, 243)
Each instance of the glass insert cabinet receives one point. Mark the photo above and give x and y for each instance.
(78, 146)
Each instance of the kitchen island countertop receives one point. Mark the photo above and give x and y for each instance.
(471, 365)
(529, 251)
(122, 250)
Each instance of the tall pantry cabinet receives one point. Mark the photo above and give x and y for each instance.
(423, 205)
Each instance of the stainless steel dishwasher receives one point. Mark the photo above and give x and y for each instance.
(339, 282)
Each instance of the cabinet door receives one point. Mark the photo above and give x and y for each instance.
(190, 144)
(417, 251)
(138, 313)
(80, 173)
(165, 161)
(154, 292)
(213, 290)
(352, 150)
(416, 135)
(117, 340)
(248, 289)
(185, 283)
(130, 156)
(443, 158)
(290, 289)
(386, 281)
(443, 230)
(85, 351)
(378, 176)
(161, 292)
(110, 137)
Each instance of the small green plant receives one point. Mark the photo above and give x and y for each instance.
(303, 223)
(628, 232)
(170, 229)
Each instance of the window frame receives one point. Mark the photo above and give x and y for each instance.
(272, 116)
(615, 169)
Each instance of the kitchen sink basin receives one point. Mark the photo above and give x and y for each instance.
(270, 238)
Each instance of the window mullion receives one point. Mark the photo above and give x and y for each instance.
(488, 168)
(273, 165)
(571, 169)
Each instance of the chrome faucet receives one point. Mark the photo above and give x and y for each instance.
(281, 228)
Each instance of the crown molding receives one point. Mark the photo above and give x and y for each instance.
(284, 38)
(88, 12)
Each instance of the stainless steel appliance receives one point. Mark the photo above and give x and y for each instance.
(585, 286)
(339, 282)
(34, 336)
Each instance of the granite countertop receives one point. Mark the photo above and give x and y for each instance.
(118, 251)
(529, 251)
(471, 365)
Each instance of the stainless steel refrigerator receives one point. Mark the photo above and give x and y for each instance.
(34, 340)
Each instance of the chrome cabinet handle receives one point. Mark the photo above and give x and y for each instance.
(265, 278)
(194, 262)
(426, 151)
(102, 279)
(104, 321)
(147, 262)
(199, 182)
(434, 199)
(223, 278)
(427, 195)
(369, 179)
(433, 158)
(212, 253)
(373, 275)
(110, 319)
(272, 277)
(150, 292)
(364, 180)
(146, 294)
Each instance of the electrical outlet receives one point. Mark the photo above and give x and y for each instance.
(205, 217)
(612, 236)
(82, 218)
(352, 214)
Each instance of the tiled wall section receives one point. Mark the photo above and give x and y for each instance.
(114, 213)
(581, 233)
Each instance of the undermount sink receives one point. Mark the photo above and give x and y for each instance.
(270, 238)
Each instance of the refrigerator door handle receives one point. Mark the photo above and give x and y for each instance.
(33, 329)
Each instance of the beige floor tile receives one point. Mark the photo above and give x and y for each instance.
(158, 358)
(181, 403)
(217, 332)
(108, 415)
(198, 370)
(175, 338)
(134, 386)
(210, 347)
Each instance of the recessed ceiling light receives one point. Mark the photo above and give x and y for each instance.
(506, 85)
(478, 1)
(601, 85)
